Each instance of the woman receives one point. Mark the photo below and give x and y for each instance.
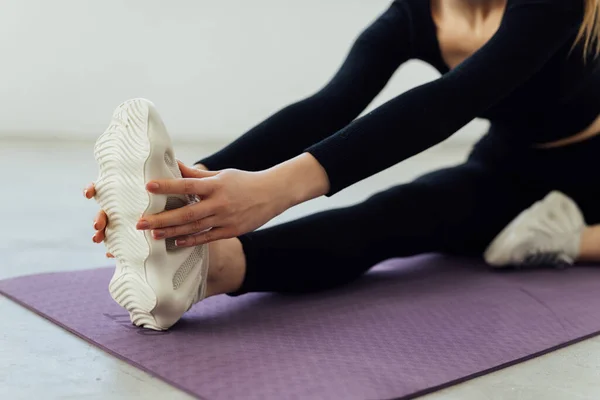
(529, 66)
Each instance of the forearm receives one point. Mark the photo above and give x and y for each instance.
(394, 132)
(373, 58)
(297, 180)
(285, 134)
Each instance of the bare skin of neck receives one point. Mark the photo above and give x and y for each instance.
(464, 26)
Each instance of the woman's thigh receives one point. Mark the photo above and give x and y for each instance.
(457, 210)
(470, 204)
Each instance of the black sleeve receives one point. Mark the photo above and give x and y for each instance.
(530, 33)
(375, 55)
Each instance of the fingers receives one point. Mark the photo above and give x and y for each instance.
(181, 216)
(98, 237)
(184, 230)
(100, 221)
(198, 171)
(197, 186)
(205, 237)
(201, 167)
(99, 225)
(89, 191)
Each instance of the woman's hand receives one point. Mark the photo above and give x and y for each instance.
(233, 202)
(101, 220)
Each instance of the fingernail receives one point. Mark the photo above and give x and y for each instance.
(180, 242)
(94, 239)
(85, 192)
(95, 225)
(143, 225)
(153, 186)
(158, 234)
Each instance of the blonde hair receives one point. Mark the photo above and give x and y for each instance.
(589, 34)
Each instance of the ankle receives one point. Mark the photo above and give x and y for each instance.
(226, 267)
(589, 245)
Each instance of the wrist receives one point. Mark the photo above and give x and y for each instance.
(300, 179)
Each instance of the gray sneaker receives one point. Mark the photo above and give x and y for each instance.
(547, 233)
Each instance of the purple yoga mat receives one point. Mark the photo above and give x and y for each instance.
(409, 327)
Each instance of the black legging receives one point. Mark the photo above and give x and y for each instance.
(456, 210)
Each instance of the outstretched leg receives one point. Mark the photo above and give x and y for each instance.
(456, 210)
(580, 242)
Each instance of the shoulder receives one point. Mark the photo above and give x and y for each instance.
(415, 15)
(571, 4)
(570, 7)
(397, 20)
(553, 18)
(415, 9)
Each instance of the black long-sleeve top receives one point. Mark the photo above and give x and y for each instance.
(527, 79)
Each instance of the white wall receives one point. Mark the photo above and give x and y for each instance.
(214, 68)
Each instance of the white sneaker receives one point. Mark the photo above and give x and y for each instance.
(547, 233)
(155, 281)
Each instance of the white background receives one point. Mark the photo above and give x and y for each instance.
(213, 68)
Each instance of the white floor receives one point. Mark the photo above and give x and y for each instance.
(46, 226)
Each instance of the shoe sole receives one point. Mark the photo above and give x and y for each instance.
(129, 157)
